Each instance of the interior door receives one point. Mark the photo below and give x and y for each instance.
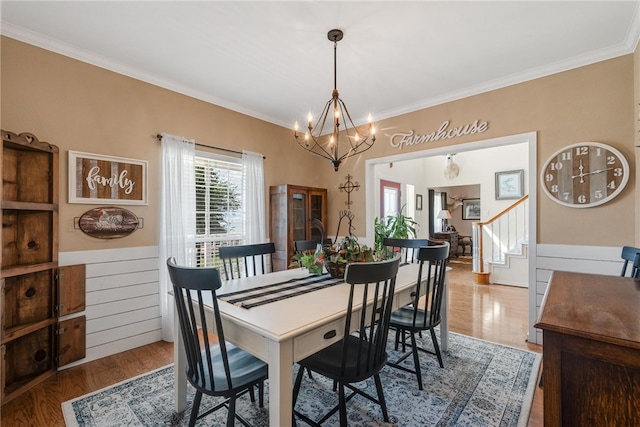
(389, 198)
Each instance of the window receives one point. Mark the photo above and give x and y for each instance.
(219, 206)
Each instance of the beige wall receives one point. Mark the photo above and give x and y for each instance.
(81, 107)
(592, 103)
(77, 106)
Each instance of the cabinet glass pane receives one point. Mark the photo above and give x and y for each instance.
(316, 213)
(299, 208)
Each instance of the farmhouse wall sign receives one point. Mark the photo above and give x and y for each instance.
(94, 178)
(401, 140)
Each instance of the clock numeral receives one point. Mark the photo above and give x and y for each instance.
(556, 166)
(598, 194)
(565, 156)
(611, 185)
(549, 177)
(554, 188)
(617, 172)
(566, 195)
(598, 151)
(582, 198)
(611, 160)
(581, 151)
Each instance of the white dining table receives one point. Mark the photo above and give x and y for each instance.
(286, 331)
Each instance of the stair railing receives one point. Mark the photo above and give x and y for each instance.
(506, 231)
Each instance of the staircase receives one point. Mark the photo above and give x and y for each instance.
(501, 255)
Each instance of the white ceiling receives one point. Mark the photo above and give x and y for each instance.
(272, 60)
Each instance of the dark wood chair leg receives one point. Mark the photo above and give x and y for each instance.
(383, 402)
(195, 408)
(261, 394)
(231, 415)
(343, 406)
(416, 360)
(436, 347)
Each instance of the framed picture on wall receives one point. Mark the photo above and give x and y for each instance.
(471, 209)
(510, 184)
(418, 202)
(100, 179)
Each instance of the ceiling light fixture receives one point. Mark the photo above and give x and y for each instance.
(451, 170)
(331, 143)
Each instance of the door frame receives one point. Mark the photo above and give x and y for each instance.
(371, 188)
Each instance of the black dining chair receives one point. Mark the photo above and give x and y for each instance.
(424, 316)
(408, 248)
(214, 367)
(361, 353)
(247, 260)
(308, 245)
(631, 255)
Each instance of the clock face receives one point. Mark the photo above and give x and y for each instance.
(584, 175)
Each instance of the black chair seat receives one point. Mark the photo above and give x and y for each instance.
(403, 319)
(245, 369)
(327, 362)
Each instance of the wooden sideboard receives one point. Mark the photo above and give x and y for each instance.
(452, 238)
(591, 350)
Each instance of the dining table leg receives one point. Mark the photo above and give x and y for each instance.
(179, 366)
(280, 383)
(444, 316)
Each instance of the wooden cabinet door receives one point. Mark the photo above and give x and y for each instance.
(71, 333)
(72, 340)
(71, 289)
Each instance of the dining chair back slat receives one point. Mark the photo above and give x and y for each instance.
(247, 260)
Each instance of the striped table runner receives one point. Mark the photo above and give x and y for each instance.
(278, 291)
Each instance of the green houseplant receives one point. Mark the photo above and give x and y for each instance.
(399, 226)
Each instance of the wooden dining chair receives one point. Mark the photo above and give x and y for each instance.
(418, 317)
(214, 367)
(360, 354)
(247, 260)
(631, 255)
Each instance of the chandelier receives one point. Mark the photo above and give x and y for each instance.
(335, 144)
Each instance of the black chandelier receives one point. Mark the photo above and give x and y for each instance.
(330, 144)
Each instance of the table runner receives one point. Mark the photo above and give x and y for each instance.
(278, 291)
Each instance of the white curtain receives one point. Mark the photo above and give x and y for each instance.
(255, 217)
(177, 217)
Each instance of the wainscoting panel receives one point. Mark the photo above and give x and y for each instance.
(583, 259)
(123, 309)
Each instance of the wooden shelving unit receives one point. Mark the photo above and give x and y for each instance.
(34, 293)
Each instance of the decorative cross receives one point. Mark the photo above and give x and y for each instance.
(349, 186)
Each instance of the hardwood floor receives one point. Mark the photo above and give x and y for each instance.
(490, 312)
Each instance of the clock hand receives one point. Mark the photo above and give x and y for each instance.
(582, 175)
(598, 171)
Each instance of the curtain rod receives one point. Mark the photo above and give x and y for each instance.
(228, 150)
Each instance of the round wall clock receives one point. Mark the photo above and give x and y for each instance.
(584, 175)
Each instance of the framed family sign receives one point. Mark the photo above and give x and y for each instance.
(96, 179)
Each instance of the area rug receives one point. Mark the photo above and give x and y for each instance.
(482, 384)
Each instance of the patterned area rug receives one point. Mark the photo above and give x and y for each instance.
(482, 384)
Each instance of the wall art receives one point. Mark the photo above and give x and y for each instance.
(94, 179)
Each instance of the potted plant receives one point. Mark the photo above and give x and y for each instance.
(334, 258)
(399, 226)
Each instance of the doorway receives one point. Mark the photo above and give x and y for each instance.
(372, 200)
